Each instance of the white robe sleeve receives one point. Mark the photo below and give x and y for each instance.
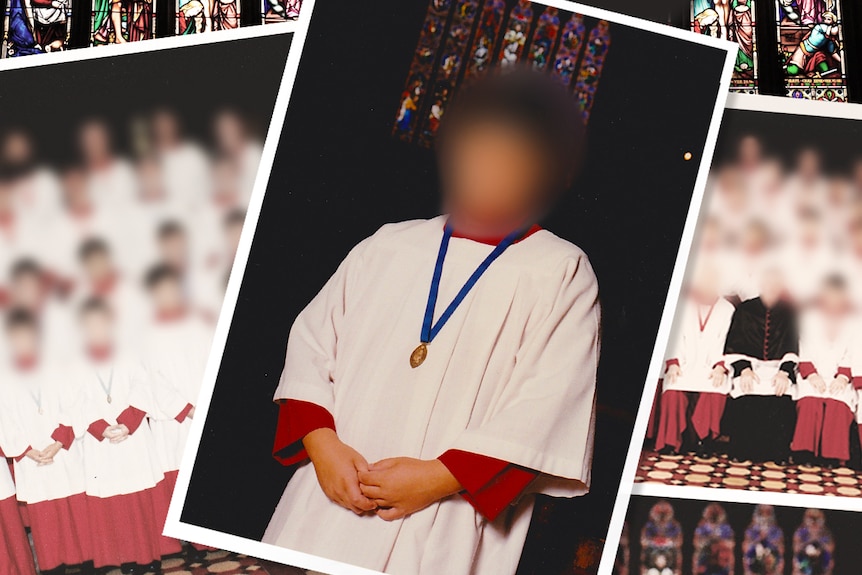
(309, 362)
(544, 418)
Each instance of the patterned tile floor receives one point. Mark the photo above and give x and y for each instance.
(720, 472)
(215, 563)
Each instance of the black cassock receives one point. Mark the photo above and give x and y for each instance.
(760, 427)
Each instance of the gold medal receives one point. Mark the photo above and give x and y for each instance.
(418, 356)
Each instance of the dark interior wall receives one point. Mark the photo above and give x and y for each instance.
(845, 527)
(339, 175)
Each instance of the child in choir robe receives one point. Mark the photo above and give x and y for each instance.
(176, 346)
(185, 168)
(428, 438)
(120, 460)
(50, 478)
(825, 398)
(15, 555)
(762, 351)
(110, 179)
(695, 382)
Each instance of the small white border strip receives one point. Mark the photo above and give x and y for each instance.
(143, 46)
(742, 102)
(725, 495)
(174, 526)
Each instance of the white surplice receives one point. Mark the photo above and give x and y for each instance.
(828, 349)
(699, 350)
(511, 376)
(175, 357)
(114, 468)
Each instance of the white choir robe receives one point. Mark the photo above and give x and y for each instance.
(121, 468)
(15, 555)
(186, 175)
(68, 233)
(746, 273)
(510, 376)
(249, 164)
(805, 268)
(698, 351)
(114, 187)
(828, 353)
(54, 493)
(120, 477)
(175, 358)
(39, 192)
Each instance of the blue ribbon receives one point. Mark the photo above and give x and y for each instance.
(430, 329)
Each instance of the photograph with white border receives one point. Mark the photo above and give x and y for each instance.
(536, 419)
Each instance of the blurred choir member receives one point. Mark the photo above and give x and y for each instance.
(122, 470)
(35, 187)
(111, 179)
(826, 401)
(50, 478)
(237, 152)
(185, 169)
(762, 352)
(695, 381)
(176, 344)
(15, 555)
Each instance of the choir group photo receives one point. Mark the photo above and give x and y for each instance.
(117, 235)
(416, 324)
(760, 386)
(462, 287)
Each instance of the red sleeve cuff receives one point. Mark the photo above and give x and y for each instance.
(131, 418)
(669, 363)
(23, 453)
(490, 485)
(296, 419)
(97, 428)
(181, 416)
(846, 372)
(806, 369)
(857, 382)
(65, 435)
(722, 365)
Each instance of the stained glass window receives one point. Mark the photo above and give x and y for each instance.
(516, 34)
(274, 11)
(196, 16)
(732, 20)
(811, 48)
(461, 39)
(117, 21)
(35, 27)
(591, 66)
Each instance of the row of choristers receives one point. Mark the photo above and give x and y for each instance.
(765, 359)
(113, 273)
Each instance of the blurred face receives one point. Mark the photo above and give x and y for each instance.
(771, 287)
(95, 142)
(494, 175)
(754, 239)
(97, 328)
(834, 299)
(98, 265)
(229, 131)
(809, 164)
(173, 249)
(27, 291)
(165, 129)
(167, 296)
(75, 189)
(23, 341)
(17, 149)
(750, 150)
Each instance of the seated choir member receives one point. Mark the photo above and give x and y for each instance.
(121, 465)
(50, 477)
(761, 349)
(695, 381)
(825, 398)
(432, 412)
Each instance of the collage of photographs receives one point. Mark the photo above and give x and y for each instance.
(463, 287)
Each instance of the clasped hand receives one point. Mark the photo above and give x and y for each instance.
(390, 488)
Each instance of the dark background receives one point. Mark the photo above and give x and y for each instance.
(839, 141)
(845, 527)
(51, 101)
(339, 175)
